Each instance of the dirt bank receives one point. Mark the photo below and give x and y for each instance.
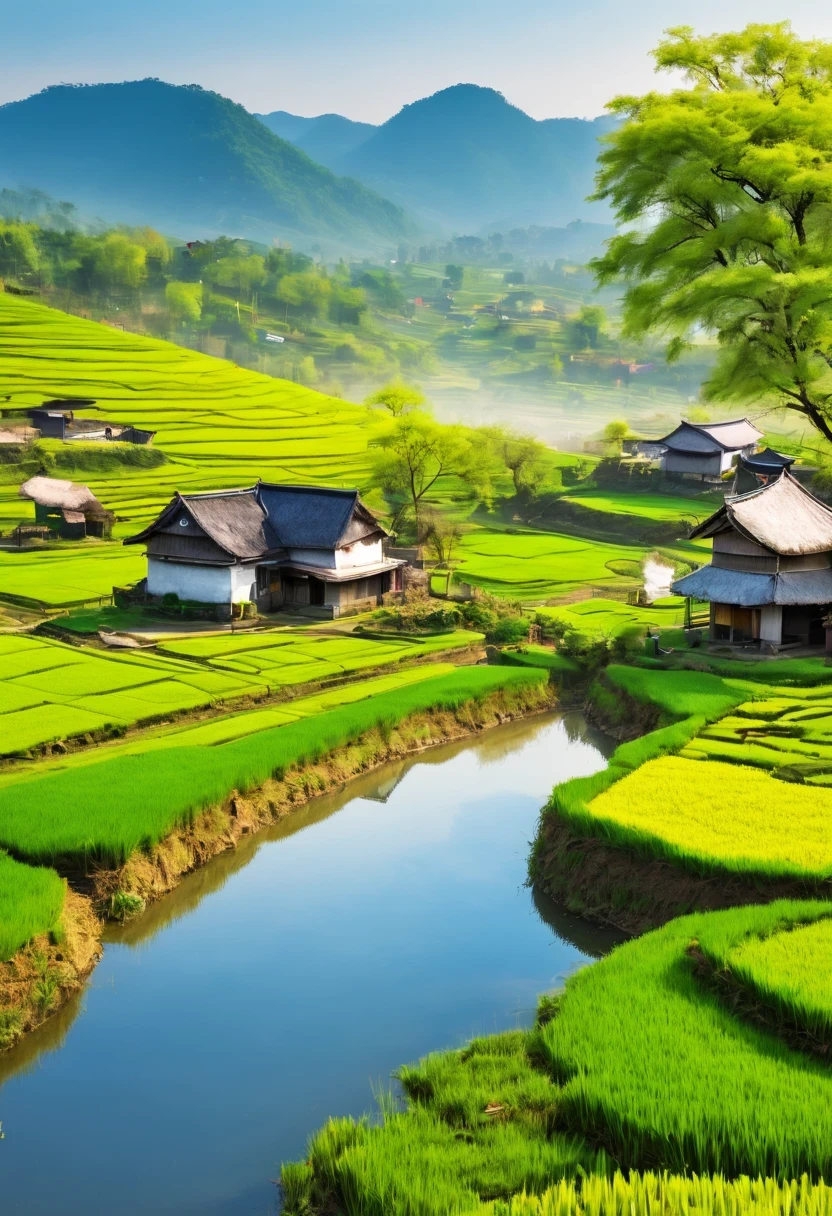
(42, 976)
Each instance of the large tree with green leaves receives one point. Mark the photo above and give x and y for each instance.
(727, 186)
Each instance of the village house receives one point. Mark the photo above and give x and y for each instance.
(706, 450)
(769, 581)
(70, 510)
(301, 548)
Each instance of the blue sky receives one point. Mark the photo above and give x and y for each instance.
(367, 58)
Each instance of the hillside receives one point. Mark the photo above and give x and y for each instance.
(184, 160)
(327, 138)
(464, 159)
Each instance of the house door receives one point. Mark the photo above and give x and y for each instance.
(317, 590)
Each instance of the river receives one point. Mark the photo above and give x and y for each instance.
(282, 982)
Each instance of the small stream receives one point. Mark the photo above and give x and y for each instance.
(282, 982)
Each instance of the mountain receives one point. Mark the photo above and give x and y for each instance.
(327, 138)
(187, 161)
(464, 159)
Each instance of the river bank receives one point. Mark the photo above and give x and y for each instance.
(51, 969)
(289, 976)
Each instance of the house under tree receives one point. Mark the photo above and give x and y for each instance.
(769, 580)
(306, 548)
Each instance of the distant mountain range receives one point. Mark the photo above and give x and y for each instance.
(463, 159)
(187, 161)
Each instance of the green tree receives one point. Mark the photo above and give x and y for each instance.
(242, 272)
(397, 397)
(728, 184)
(18, 249)
(616, 432)
(184, 301)
(415, 451)
(454, 275)
(119, 262)
(526, 458)
(306, 293)
(588, 326)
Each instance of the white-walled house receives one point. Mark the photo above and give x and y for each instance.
(707, 450)
(294, 547)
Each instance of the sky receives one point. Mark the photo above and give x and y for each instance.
(367, 58)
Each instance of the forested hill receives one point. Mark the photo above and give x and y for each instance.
(185, 160)
(327, 138)
(465, 159)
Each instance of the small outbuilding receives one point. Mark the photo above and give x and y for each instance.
(758, 469)
(769, 580)
(300, 548)
(707, 450)
(70, 510)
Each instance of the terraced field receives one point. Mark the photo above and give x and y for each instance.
(655, 507)
(599, 617)
(76, 574)
(527, 565)
(219, 425)
(50, 691)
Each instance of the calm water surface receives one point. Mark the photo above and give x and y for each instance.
(282, 982)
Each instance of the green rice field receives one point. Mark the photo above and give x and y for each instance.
(654, 507)
(528, 565)
(128, 801)
(31, 903)
(218, 424)
(76, 574)
(50, 691)
(599, 617)
(661, 1073)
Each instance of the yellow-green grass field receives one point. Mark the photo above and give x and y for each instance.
(655, 507)
(790, 973)
(56, 577)
(715, 816)
(50, 691)
(599, 617)
(528, 565)
(219, 425)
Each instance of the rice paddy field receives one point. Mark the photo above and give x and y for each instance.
(31, 903)
(131, 799)
(657, 508)
(527, 565)
(599, 617)
(636, 1065)
(57, 577)
(218, 424)
(50, 691)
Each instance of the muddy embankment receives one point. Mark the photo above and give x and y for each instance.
(44, 974)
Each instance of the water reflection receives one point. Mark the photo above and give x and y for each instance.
(275, 984)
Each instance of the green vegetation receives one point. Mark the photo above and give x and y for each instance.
(600, 617)
(742, 151)
(788, 973)
(31, 902)
(710, 817)
(657, 1070)
(71, 574)
(109, 809)
(479, 1126)
(674, 509)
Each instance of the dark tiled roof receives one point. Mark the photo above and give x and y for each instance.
(713, 436)
(313, 517)
(267, 519)
(768, 461)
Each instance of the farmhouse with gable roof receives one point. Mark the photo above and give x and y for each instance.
(306, 548)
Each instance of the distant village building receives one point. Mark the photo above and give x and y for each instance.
(706, 450)
(770, 578)
(304, 548)
(56, 420)
(72, 511)
(758, 469)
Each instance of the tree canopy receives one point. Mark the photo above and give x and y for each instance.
(728, 186)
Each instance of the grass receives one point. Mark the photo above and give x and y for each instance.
(662, 1074)
(709, 815)
(600, 617)
(527, 565)
(790, 972)
(654, 507)
(31, 902)
(480, 1125)
(50, 691)
(72, 575)
(651, 1194)
(677, 694)
(109, 809)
